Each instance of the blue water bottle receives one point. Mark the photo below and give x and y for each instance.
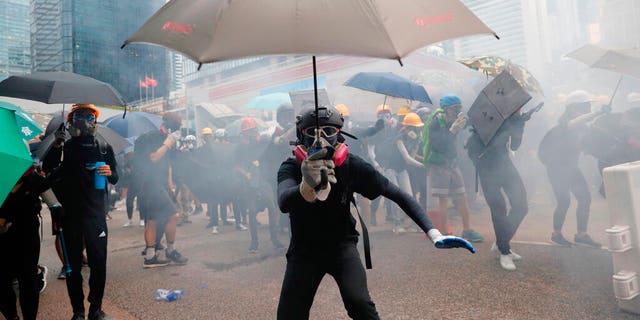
(100, 181)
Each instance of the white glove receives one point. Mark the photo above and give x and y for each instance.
(459, 123)
(4, 226)
(171, 139)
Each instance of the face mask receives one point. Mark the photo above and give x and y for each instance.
(82, 125)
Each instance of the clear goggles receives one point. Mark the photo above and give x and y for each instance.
(326, 131)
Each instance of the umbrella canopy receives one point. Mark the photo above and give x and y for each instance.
(623, 61)
(215, 30)
(14, 154)
(498, 101)
(268, 101)
(134, 124)
(60, 87)
(27, 126)
(492, 66)
(389, 84)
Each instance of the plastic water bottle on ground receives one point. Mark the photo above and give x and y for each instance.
(168, 295)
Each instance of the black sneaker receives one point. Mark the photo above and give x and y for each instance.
(99, 315)
(62, 275)
(557, 238)
(78, 316)
(587, 241)
(42, 278)
(154, 262)
(177, 258)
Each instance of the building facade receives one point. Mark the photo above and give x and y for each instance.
(84, 36)
(15, 54)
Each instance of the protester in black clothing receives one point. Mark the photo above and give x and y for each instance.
(316, 193)
(85, 204)
(157, 200)
(20, 242)
(560, 151)
(498, 175)
(256, 194)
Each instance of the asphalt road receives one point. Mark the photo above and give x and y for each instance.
(410, 279)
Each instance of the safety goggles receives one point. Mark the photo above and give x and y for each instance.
(87, 118)
(326, 131)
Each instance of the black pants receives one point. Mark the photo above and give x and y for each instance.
(132, 194)
(496, 177)
(303, 276)
(20, 248)
(90, 232)
(257, 200)
(564, 181)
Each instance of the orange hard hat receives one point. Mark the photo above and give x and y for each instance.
(412, 119)
(78, 106)
(248, 123)
(403, 110)
(383, 108)
(206, 131)
(343, 109)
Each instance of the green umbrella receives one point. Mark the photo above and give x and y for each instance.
(27, 126)
(14, 155)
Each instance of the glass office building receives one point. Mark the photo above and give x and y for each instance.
(84, 36)
(15, 55)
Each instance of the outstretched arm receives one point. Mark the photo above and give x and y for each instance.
(413, 209)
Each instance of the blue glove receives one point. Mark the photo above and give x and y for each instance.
(448, 242)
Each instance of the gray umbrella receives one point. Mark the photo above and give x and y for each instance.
(60, 87)
(498, 101)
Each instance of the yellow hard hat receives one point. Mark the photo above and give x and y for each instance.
(78, 106)
(343, 109)
(404, 109)
(412, 119)
(383, 108)
(206, 131)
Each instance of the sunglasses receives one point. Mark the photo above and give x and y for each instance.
(326, 131)
(87, 118)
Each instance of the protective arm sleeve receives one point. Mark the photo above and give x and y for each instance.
(409, 205)
(405, 155)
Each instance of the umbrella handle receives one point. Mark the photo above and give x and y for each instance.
(615, 91)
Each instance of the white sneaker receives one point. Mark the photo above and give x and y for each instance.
(127, 224)
(214, 230)
(399, 230)
(514, 256)
(241, 227)
(507, 263)
(142, 223)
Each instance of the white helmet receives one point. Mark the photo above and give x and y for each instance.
(633, 97)
(579, 96)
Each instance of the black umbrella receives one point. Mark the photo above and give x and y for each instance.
(60, 87)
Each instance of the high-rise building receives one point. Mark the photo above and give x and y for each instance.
(15, 55)
(84, 36)
(621, 24)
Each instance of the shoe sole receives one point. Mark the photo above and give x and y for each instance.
(562, 245)
(578, 244)
(149, 266)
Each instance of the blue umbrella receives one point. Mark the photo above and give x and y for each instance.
(268, 101)
(389, 84)
(134, 124)
(27, 126)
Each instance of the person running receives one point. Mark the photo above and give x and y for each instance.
(316, 189)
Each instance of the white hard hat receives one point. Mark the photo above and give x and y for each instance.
(633, 97)
(579, 96)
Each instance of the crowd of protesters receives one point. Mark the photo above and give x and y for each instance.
(168, 177)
